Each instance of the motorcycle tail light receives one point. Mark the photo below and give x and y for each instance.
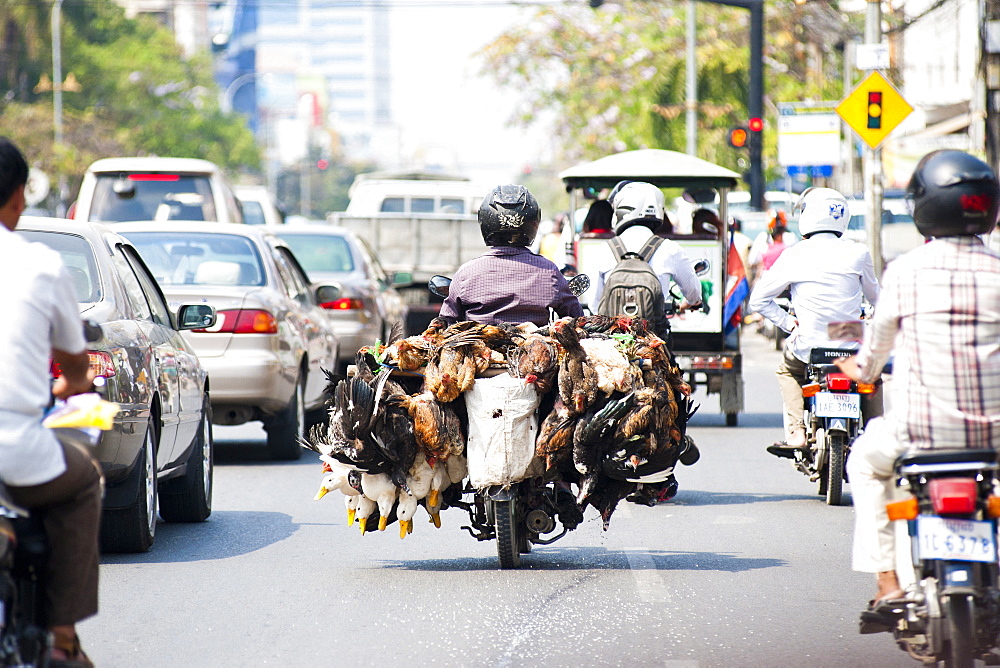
(810, 390)
(243, 321)
(953, 496)
(993, 506)
(838, 382)
(866, 388)
(903, 510)
(343, 304)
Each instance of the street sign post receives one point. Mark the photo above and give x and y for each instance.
(874, 109)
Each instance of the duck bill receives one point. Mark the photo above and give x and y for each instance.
(382, 522)
(320, 494)
(436, 518)
(362, 523)
(404, 528)
(350, 516)
(432, 498)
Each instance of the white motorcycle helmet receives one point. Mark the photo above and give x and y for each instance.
(822, 210)
(638, 204)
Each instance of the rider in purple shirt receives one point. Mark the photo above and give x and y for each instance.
(509, 283)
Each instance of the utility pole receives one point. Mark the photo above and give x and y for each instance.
(57, 101)
(873, 158)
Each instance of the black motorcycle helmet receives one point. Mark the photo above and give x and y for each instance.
(953, 194)
(509, 216)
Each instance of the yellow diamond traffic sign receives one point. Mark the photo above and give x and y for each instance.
(873, 109)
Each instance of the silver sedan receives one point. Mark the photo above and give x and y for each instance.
(271, 340)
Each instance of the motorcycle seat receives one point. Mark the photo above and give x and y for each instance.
(951, 456)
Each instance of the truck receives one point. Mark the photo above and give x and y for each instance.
(708, 355)
(419, 225)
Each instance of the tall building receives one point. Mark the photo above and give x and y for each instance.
(313, 75)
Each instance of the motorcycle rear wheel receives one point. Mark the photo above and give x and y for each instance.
(836, 451)
(508, 539)
(961, 633)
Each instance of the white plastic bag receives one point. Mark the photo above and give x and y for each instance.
(503, 426)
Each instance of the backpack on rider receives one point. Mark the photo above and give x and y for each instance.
(632, 288)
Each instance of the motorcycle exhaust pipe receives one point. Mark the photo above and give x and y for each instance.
(540, 521)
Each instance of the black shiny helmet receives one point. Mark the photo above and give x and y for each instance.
(509, 216)
(953, 194)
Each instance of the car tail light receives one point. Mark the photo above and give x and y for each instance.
(343, 304)
(953, 496)
(101, 363)
(154, 177)
(838, 382)
(243, 321)
(903, 510)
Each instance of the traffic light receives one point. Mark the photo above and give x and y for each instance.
(756, 125)
(738, 137)
(875, 110)
(322, 164)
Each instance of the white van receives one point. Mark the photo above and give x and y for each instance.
(152, 188)
(414, 193)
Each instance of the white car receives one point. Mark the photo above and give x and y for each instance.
(899, 232)
(271, 340)
(128, 189)
(259, 208)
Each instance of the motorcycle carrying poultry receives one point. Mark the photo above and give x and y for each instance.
(951, 612)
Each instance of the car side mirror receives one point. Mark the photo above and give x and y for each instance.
(401, 279)
(701, 267)
(579, 284)
(328, 293)
(195, 316)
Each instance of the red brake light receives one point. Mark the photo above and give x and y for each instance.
(154, 177)
(243, 321)
(343, 304)
(838, 381)
(953, 496)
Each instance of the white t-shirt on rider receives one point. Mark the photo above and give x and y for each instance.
(38, 312)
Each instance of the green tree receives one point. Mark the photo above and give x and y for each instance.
(614, 79)
(138, 95)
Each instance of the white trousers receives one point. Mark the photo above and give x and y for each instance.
(870, 468)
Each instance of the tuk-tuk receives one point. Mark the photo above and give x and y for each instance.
(709, 357)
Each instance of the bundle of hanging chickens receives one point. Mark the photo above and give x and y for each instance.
(616, 411)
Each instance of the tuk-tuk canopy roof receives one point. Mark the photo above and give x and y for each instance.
(662, 168)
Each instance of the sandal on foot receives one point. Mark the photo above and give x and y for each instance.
(68, 654)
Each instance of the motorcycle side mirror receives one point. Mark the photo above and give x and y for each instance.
(701, 267)
(851, 330)
(439, 285)
(579, 284)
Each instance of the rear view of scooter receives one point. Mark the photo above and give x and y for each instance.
(951, 614)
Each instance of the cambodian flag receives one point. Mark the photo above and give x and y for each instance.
(737, 289)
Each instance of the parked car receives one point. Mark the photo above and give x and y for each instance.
(159, 453)
(259, 208)
(151, 188)
(267, 349)
(368, 305)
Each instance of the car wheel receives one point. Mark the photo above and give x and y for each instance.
(131, 529)
(189, 497)
(285, 429)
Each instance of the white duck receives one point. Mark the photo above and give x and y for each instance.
(418, 479)
(380, 489)
(365, 506)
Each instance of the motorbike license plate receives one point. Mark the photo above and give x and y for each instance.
(837, 404)
(956, 540)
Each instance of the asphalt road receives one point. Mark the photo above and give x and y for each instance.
(745, 567)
